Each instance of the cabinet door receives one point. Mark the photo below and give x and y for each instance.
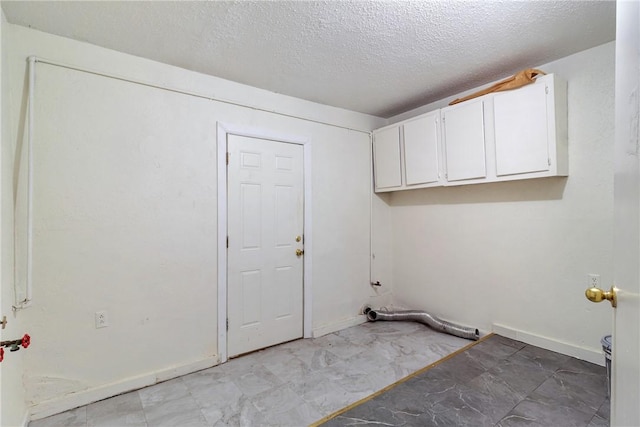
(464, 141)
(521, 130)
(386, 158)
(421, 150)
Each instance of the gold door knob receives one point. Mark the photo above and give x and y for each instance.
(299, 252)
(598, 295)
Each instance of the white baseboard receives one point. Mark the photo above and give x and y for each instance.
(85, 397)
(583, 353)
(338, 326)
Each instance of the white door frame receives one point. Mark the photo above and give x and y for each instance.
(225, 129)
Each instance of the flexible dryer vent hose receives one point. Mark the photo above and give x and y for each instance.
(425, 318)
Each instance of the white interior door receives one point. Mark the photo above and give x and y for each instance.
(625, 392)
(265, 228)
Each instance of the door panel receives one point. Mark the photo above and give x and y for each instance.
(251, 282)
(386, 158)
(265, 215)
(522, 144)
(464, 141)
(421, 145)
(285, 280)
(285, 215)
(250, 209)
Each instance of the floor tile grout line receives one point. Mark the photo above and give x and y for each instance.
(595, 413)
(400, 381)
(144, 412)
(527, 397)
(190, 393)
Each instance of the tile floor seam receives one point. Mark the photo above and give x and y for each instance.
(146, 420)
(509, 411)
(195, 399)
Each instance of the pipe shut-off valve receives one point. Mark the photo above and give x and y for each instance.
(14, 345)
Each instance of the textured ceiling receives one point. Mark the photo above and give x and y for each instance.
(376, 57)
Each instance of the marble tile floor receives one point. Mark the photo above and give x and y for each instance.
(498, 382)
(293, 384)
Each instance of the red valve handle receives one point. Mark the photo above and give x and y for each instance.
(1, 354)
(26, 341)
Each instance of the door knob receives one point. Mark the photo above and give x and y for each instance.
(299, 252)
(597, 295)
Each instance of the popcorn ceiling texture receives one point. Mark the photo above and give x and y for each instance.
(380, 58)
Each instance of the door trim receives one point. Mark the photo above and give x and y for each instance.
(223, 130)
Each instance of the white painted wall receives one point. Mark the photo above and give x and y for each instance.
(13, 409)
(517, 254)
(125, 215)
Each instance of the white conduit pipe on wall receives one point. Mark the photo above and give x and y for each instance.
(32, 84)
(29, 265)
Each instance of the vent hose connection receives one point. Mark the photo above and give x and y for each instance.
(425, 318)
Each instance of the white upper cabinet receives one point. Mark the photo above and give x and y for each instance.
(386, 158)
(421, 149)
(503, 136)
(464, 141)
(408, 154)
(530, 126)
(521, 138)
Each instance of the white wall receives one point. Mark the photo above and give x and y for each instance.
(125, 215)
(517, 254)
(12, 397)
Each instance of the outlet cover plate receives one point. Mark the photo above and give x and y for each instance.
(102, 319)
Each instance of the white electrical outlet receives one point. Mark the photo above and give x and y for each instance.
(102, 319)
(593, 280)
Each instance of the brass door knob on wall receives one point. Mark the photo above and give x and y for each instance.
(597, 295)
(299, 252)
